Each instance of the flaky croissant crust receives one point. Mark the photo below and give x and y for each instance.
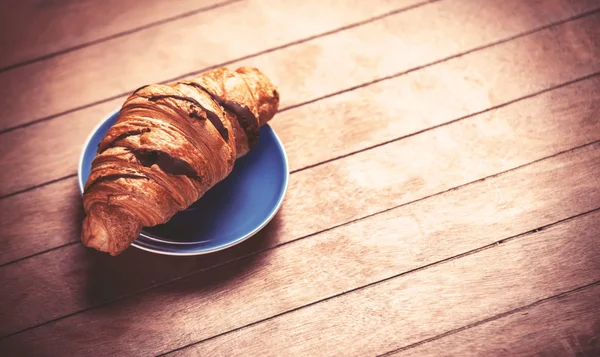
(170, 144)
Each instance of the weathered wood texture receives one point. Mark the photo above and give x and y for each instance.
(459, 87)
(455, 183)
(118, 66)
(32, 29)
(74, 268)
(425, 303)
(403, 113)
(475, 286)
(568, 325)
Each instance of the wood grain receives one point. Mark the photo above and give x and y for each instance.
(399, 106)
(568, 325)
(160, 53)
(428, 302)
(378, 113)
(31, 29)
(313, 269)
(39, 220)
(463, 225)
(346, 189)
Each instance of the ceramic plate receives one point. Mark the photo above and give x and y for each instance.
(232, 211)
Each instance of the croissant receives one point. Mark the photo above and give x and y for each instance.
(169, 145)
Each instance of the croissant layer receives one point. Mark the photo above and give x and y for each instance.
(169, 145)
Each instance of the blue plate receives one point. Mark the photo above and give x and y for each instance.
(229, 213)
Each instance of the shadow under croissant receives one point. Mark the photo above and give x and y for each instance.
(79, 214)
(134, 270)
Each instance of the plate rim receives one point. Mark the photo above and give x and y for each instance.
(237, 241)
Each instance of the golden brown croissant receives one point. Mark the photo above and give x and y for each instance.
(169, 145)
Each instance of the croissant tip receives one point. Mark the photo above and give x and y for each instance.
(101, 243)
(96, 233)
(91, 238)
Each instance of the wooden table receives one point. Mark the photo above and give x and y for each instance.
(444, 193)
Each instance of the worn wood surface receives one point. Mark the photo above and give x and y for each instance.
(31, 30)
(181, 46)
(427, 302)
(350, 193)
(565, 325)
(444, 180)
(405, 239)
(476, 82)
(554, 110)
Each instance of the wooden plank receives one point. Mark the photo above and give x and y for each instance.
(66, 141)
(39, 220)
(334, 262)
(416, 306)
(399, 106)
(568, 325)
(33, 29)
(159, 53)
(365, 183)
